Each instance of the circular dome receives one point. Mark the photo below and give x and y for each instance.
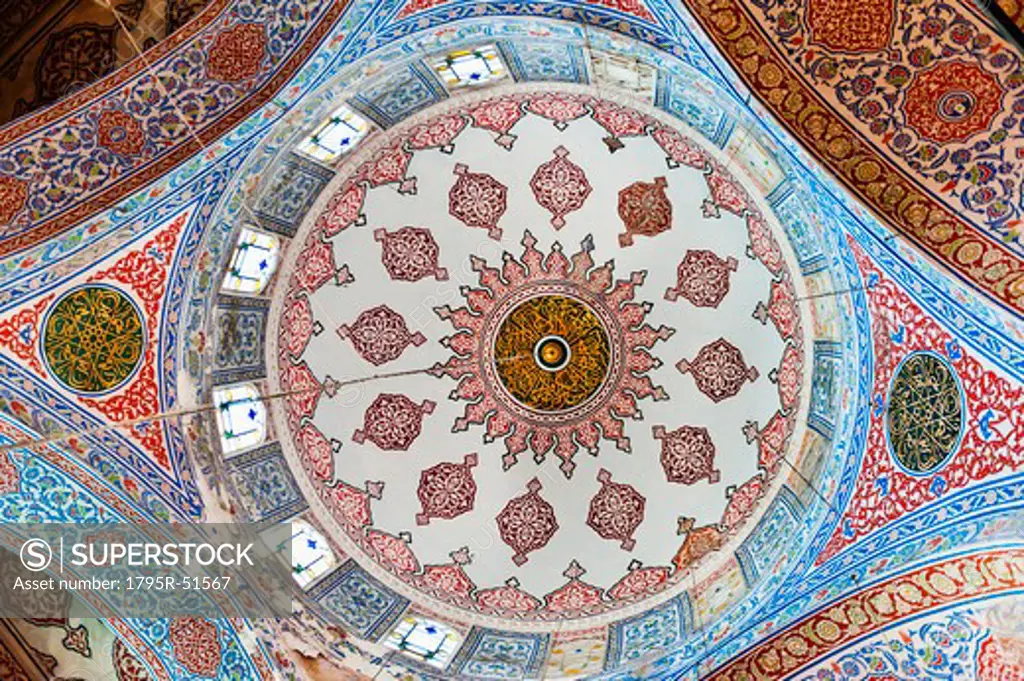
(561, 366)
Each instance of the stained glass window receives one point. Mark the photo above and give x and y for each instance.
(336, 136)
(241, 417)
(471, 67)
(312, 556)
(253, 262)
(430, 641)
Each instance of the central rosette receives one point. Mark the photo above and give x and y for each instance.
(552, 353)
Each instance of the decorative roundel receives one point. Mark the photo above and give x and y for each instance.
(551, 353)
(956, 105)
(93, 339)
(926, 413)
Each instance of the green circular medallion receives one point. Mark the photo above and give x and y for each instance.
(93, 338)
(925, 417)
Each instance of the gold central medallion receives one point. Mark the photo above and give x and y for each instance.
(551, 353)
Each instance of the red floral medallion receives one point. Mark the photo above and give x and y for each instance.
(450, 579)
(687, 454)
(344, 209)
(781, 308)
(644, 209)
(390, 166)
(851, 25)
(446, 490)
(13, 195)
(498, 115)
(477, 200)
(702, 278)
(640, 581)
(353, 504)
(438, 133)
(619, 121)
(410, 254)
(319, 451)
(742, 500)
(560, 186)
(952, 101)
(304, 390)
(719, 370)
(508, 598)
(527, 522)
(297, 321)
(393, 551)
(771, 441)
(392, 422)
(236, 53)
(120, 132)
(616, 511)
(679, 150)
(726, 192)
(558, 108)
(763, 245)
(576, 596)
(380, 335)
(788, 376)
(318, 266)
(196, 645)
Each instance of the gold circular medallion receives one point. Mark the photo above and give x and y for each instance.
(93, 339)
(551, 353)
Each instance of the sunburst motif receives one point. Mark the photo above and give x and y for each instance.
(619, 381)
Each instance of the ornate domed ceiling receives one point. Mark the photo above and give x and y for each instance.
(563, 355)
(618, 339)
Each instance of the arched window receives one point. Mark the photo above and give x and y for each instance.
(241, 417)
(336, 136)
(471, 67)
(430, 641)
(253, 262)
(312, 556)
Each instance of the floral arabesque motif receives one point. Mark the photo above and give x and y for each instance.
(380, 335)
(13, 194)
(719, 370)
(447, 490)
(410, 254)
(560, 186)
(522, 427)
(120, 132)
(237, 52)
(527, 522)
(196, 645)
(944, 65)
(616, 511)
(477, 200)
(393, 422)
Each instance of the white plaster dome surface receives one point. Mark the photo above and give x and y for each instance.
(463, 472)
